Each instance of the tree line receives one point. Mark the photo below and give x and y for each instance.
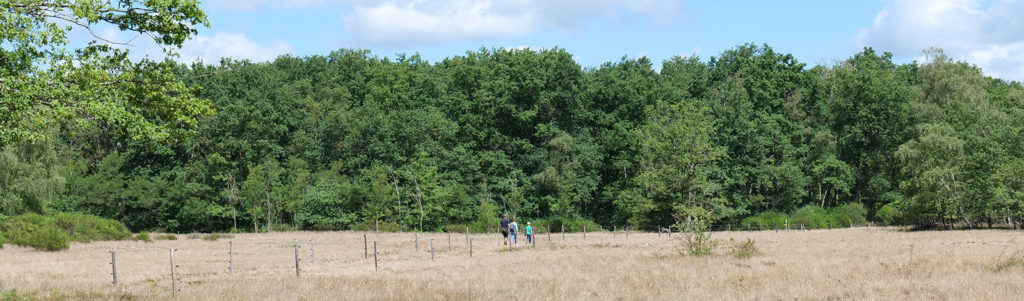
(351, 140)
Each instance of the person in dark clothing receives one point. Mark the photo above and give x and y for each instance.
(504, 228)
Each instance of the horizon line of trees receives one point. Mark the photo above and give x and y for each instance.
(349, 139)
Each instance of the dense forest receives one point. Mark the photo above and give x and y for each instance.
(351, 139)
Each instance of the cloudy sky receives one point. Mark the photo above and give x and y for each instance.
(989, 34)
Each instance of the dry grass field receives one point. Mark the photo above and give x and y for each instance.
(861, 264)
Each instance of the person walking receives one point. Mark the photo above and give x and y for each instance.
(504, 228)
(529, 233)
(513, 230)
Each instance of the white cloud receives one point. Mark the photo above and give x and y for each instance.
(989, 34)
(210, 49)
(399, 23)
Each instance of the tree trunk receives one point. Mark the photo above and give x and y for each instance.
(419, 195)
(267, 192)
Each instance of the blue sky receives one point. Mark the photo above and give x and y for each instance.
(988, 33)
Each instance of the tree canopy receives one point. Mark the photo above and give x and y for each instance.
(351, 140)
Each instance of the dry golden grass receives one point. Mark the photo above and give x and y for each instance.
(862, 264)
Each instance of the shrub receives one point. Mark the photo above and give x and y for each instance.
(766, 220)
(695, 223)
(810, 216)
(32, 232)
(745, 249)
(166, 237)
(2, 241)
(370, 225)
(848, 214)
(143, 236)
(53, 233)
(555, 224)
(888, 215)
(216, 236)
(85, 228)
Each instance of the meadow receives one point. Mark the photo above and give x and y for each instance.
(850, 263)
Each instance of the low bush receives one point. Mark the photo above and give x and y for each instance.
(848, 214)
(166, 237)
(143, 236)
(32, 231)
(370, 225)
(745, 249)
(810, 217)
(888, 215)
(555, 225)
(766, 221)
(85, 228)
(2, 241)
(216, 236)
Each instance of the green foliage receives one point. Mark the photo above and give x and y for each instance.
(347, 140)
(555, 224)
(370, 225)
(848, 214)
(889, 215)
(85, 228)
(143, 236)
(49, 85)
(810, 217)
(694, 224)
(215, 236)
(766, 221)
(35, 231)
(52, 233)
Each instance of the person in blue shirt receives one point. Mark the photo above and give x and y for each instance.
(513, 229)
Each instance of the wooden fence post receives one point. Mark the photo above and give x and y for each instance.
(449, 241)
(113, 264)
(174, 275)
(231, 258)
(547, 230)
(467, 235)
(431, 250)
(584, 232)
(297, 270)
(417, 235)
(375, 267)
(615, 228)
(366, 254)
(563, 231)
